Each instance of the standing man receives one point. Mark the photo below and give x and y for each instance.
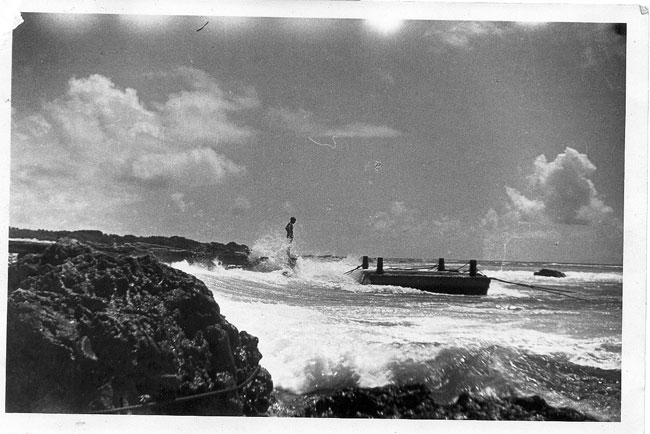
(289, 229)
(291, 260)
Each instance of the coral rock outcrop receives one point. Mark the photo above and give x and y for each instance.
(91, 331)
(416, 402)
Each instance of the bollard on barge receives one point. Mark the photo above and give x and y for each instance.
(439, 280)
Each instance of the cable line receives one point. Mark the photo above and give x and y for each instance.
(180, 399)
(541, 288)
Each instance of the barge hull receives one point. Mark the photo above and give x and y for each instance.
(438, 282)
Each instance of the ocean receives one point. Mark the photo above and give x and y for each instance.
(319, 330)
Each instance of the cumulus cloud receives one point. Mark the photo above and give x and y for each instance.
(305, 123)
(562, 191)
(528, 209)
(32, 126)
(96, 122)
(203, 112)
(201, 166)
(232, 97)
(101, 144)
(560, 213)
(96, 116)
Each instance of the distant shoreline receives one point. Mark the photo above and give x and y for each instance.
(166, 249)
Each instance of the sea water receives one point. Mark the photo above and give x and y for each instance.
(320, 330)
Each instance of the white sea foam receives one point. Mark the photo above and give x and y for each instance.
(527, 276)
(319, 329)
(305, 349)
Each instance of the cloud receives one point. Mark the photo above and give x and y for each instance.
(400, 219)
(203, 112)
(399, 228)
(99, 148)
(560, 215)
(95, 116)
(233, 97)
(562, 192)
(528, 209)
(60, 202)
(464, 34)
(305, 123)
(32, 126)
(196, 167)
(461, 34)
(491, 220)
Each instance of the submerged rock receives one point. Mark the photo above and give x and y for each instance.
(416, 402)
(549, 273)
(91, 331)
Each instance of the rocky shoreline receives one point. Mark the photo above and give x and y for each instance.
(165, 249)
(415, 402)
(93, 329)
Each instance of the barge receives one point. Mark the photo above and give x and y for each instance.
(438, 279)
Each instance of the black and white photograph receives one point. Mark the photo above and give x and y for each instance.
(316, 216)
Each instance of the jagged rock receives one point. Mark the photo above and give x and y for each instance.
(416, 402)
(90, 331)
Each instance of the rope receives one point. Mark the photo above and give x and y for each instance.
(182, 398)
(534, 286)
(348, 272)
(541, 288)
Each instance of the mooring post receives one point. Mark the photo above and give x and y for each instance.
(380, 265)
(472, 267)
(441, 264)
(364, 262)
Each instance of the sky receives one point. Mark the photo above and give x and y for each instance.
(418, 138)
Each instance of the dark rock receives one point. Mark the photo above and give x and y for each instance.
(166, 249)
(416, 402)
(90, 330)
(549, 273)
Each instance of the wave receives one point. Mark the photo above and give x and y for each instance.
(320, 330)
(527, 276)
(332, 271)
(307, 343)
(489, 371)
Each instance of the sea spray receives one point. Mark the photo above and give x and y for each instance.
(270, 252)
